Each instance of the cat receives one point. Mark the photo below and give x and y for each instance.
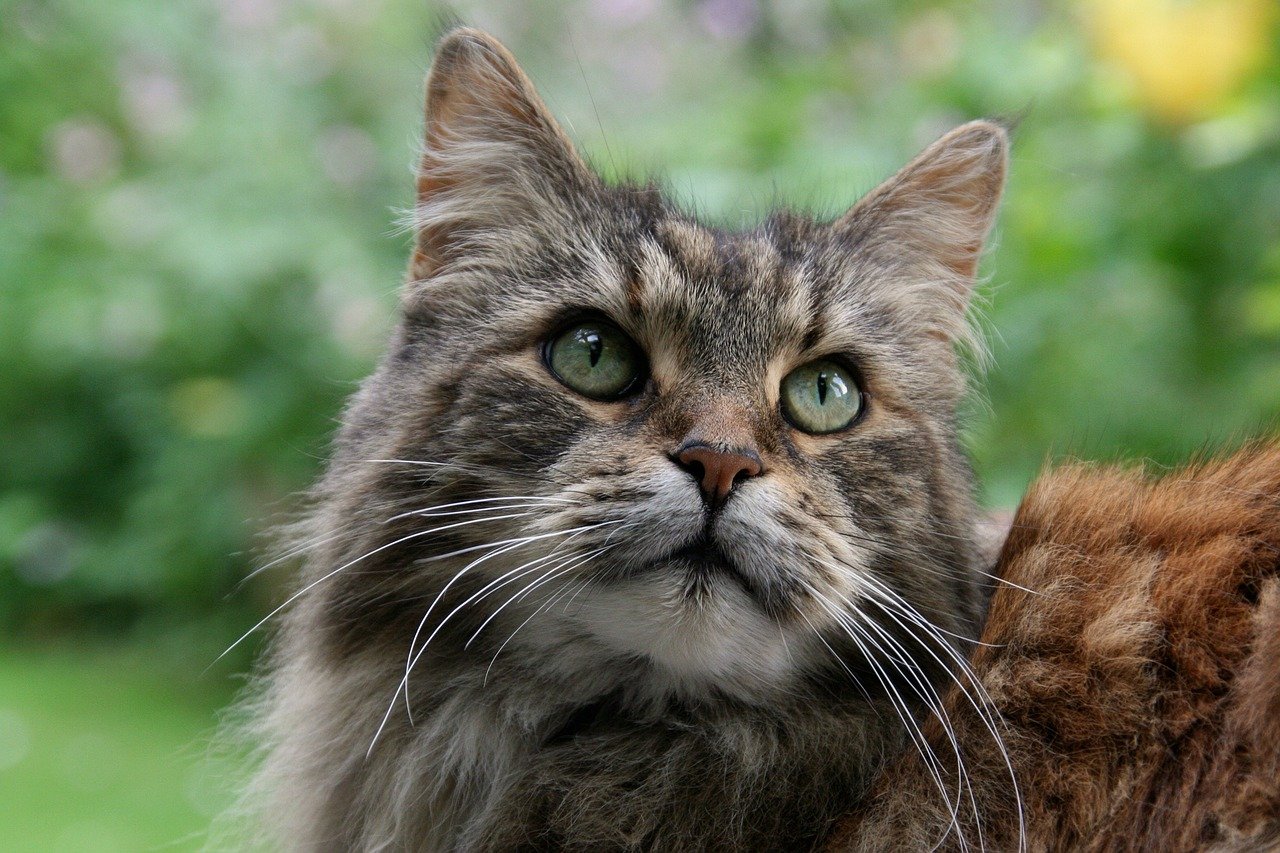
(644, 534)
(1134, 657)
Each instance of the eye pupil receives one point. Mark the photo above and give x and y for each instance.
(594, 347)
(822, 387)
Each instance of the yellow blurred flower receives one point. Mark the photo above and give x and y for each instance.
(1184, 57)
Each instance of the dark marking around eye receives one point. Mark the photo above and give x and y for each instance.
(815, 332)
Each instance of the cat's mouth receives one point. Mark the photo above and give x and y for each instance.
(703, 553)
(703, 558)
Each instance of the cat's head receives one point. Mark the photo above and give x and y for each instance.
(715, 454)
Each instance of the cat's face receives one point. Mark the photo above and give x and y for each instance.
(716, 454)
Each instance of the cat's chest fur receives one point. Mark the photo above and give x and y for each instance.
(491, 766)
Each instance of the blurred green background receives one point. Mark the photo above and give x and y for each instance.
(198, 260)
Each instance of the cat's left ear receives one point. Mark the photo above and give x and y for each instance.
(935, 213)
(493, 157)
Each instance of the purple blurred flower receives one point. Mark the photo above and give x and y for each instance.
(728, 20)
(622, 13)
(83, 151)
(154, 100)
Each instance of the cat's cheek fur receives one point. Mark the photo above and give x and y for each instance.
(651, 508)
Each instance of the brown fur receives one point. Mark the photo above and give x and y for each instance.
(1140, 686)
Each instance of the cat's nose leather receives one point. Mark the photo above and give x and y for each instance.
(718, 470)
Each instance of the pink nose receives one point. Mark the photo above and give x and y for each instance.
(718, 471)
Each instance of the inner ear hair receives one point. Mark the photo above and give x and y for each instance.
(943, 202)
(476, 89)
(492, 152)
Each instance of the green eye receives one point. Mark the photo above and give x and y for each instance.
(596, 360)
(820, 397)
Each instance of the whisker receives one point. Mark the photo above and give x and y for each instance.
(567, 564)
(404, 682)
(936, 554)
(402, 686)
(585, 583)
(428, 512)
(888, 548)
(301, 549)
(347, 565)
(857, 682)
(895, 699)
(508, 500)
(530, 617)
(988, 714)
(411, 658)
(509, 545)
(473, 548)
(934, 701)
(521, 540)
(483, 592)
(469, 467)
(911, 613)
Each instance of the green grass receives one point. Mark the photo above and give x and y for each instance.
(100, 752)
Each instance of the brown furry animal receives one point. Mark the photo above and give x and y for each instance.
(1139, 685)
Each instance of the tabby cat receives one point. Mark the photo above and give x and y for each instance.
(644, 534)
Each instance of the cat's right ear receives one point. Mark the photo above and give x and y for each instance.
(492, 158)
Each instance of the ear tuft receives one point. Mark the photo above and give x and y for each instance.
(964, 172)
(476, 84)
(942, 203)
(921, 232)
(492, 156)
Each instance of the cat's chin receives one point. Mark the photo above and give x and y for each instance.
(715, 640)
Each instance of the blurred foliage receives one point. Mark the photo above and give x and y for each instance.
(198, 256)
(122, 773)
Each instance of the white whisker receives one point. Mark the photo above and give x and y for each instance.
(515, 543)
(497, 583)
(531, 615)
(900, 706)
(502, 547)
(347, 565)
(986, 710)
(567, 564)
(504, 502)
(301, 549)
(929, 695)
